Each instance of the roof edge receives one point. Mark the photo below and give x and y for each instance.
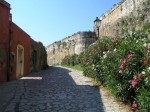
(6, 4)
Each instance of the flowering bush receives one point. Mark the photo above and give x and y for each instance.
(123, 66)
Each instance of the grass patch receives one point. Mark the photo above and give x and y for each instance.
(76, 67)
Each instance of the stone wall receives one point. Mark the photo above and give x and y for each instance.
(74, 44)
(128, 15)
(38, 56)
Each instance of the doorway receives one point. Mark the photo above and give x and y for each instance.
(20, 61)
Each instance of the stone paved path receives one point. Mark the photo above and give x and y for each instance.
(55, 90)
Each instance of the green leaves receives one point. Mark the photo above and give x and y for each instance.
(143, 99)
(103, 60)
(117, 63)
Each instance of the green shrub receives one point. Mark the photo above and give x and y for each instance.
(70, 60)
(146, 27)
(122, 65)
(117, 63)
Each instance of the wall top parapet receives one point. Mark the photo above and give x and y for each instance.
(115, 6)
(72, 37)
(120, 4)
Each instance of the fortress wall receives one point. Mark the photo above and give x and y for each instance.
(70, 45)
(124, 10)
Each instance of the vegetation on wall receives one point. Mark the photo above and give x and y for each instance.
(122, 65)
(146, 27)
(135, 20)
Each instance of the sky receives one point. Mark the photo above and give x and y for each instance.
(52, 20)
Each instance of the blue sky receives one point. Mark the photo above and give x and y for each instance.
(51, 20)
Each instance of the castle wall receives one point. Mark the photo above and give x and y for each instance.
(126, 15)
(74, 44)
(38, 56)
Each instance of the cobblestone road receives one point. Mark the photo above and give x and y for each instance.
(55, 90)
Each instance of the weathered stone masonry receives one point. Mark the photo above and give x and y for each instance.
(74, 44)
(128, 15)
(38, 56)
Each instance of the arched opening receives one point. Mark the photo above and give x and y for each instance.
(20, 61)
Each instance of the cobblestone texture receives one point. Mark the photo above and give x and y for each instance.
(55, 90)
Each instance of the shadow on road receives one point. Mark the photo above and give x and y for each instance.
(53, 90)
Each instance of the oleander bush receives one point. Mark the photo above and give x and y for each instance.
(123, 66)
(70, 60)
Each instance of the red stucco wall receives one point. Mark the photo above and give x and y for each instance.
(4, 36)
(19, 37)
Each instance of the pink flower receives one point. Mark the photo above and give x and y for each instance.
(123, 64)
(124, 61)
(148, 46)
(130, 56)
(134, 83)
(140, 75)
(135, 78)
(134, 105)
(122, 67)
